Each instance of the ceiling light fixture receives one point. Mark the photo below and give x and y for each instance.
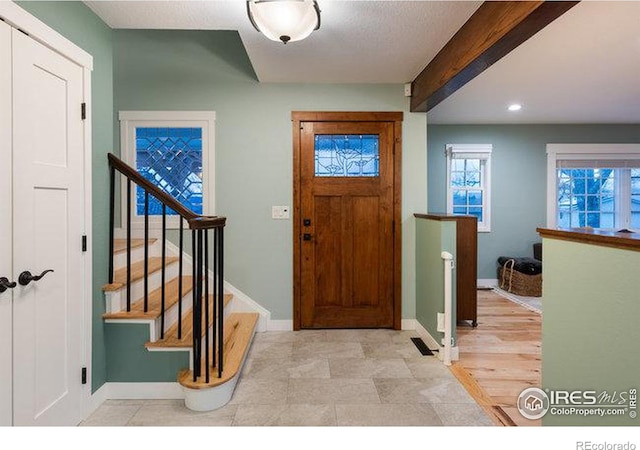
(515, 107)
(284, 20)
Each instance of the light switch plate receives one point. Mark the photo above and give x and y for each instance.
(280, 212)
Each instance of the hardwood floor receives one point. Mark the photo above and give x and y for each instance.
(500, 357)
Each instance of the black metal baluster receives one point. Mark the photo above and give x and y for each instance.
(163, 272)
(221, 301)
(146, 251)
(180, 281)
(206, 302)
(128, 244)
(194, 294)
(197, 325)
(215, 296)
(112, 205)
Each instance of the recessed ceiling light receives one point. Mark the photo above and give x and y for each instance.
(515, 107)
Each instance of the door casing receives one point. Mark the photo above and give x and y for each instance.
(298, 118)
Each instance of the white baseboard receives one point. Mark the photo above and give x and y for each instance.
(95, 400)
(432, 343)
(280, 325)
(487, 282)
(146, 391)
(408, 324)
(132, 391)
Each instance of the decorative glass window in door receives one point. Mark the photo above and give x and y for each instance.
(347, 155)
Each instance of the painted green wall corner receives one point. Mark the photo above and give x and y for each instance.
(432, 238)
(590, 330)
(80, 25)
(518, 202)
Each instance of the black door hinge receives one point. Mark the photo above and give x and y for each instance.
(84, 242)
(83, 111)
(84, 375)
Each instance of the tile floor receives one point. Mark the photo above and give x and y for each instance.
(322, 378)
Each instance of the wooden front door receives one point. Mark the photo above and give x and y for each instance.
(346, 214)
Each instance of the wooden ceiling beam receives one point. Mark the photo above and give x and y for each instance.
(496, 28)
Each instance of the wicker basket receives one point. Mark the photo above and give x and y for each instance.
(519, 283)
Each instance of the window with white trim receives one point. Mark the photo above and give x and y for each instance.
(469, 182)
(175, 151)
(593, 185)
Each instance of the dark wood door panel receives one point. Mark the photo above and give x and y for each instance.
(347, 264)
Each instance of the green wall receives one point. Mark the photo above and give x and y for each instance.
(432, 238)
(81, 26)
(518, 178)
(590, 332)
(204, 70)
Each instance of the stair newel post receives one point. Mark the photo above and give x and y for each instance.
(194, 301)
(128, 244)
(163, 274)
(146, 251)
(220, 299)
(206, 302)
(112, 205)
(180, 279)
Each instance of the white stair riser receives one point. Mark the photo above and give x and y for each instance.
(137, 254)
(171, 316)
(155, 281)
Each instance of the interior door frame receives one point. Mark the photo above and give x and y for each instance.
(37, 30)
(297, 119)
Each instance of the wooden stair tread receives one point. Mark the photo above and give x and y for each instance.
(171, 335)
(238, 330)
(120, 245)
(155, 301)
(137, 272)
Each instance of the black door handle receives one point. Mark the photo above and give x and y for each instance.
(5, 284)
(306, 237)
(25, 277)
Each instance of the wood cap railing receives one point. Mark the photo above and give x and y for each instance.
(194, 220)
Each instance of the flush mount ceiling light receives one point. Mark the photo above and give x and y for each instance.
(515, 107)
(284, 20)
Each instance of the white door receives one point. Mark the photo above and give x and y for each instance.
(6, 385)
(48, 223)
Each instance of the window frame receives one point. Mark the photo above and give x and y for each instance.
(130, 120)
(587, 152)
(482, 152)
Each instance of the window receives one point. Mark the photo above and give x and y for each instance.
(594, 185)
(173, 150)
(340, 155)
(469, 182)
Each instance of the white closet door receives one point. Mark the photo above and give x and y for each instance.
(6, 385)
(48, 215)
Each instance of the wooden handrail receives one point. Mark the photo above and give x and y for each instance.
(195, 221)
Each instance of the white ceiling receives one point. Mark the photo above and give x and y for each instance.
(358, 41)
(582, 68)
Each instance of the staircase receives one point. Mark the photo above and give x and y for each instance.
(157, 283)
